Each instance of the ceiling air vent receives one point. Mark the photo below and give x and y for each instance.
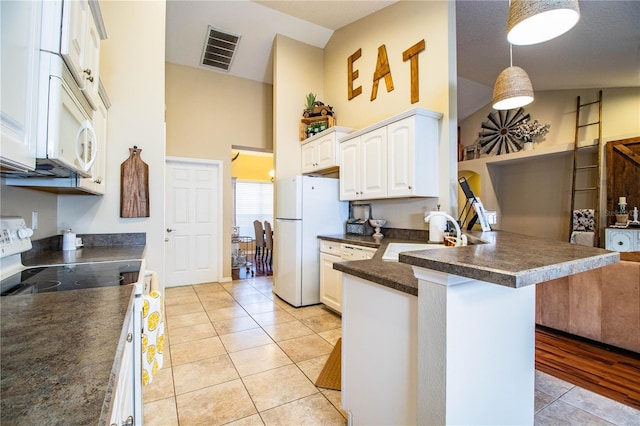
(219, 49)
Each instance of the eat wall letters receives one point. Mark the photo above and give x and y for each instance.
(384, 70)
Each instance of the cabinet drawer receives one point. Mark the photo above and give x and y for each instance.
(330, 247)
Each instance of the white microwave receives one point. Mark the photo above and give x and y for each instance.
(66, 141)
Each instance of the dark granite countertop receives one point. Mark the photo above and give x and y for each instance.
(390, 274)
(60, 354)
(498, 257)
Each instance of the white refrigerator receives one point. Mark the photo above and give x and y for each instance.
(306, 206)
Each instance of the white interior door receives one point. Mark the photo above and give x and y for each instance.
(193, 231)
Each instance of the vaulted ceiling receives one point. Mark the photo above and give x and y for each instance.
(602, 50)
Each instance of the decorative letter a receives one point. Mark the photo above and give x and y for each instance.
(382, 70)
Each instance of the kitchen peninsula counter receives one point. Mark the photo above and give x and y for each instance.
(498, 257)
(477, 299)
(395, 275)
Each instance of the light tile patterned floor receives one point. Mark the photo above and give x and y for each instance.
(238, 355)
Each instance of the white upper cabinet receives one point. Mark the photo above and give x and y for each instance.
(80, 47)
(350, 169)
(395, 158)
(363, 168)
(412, 149)
(20, 43)
(320, 152)
(373, 164)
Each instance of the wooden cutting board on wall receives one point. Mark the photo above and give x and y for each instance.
(134, 186)
(623, 175)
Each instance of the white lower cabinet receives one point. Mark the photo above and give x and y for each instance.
(395, 158)
(379, 346)
(330, 282)
(127, 398)
(330, 279)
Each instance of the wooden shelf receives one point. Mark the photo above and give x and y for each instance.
(304, 123)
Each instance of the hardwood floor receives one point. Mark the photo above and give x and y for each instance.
(607, 371)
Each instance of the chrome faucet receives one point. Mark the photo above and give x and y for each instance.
(461, 240)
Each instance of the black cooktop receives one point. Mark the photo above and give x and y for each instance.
(71, 277)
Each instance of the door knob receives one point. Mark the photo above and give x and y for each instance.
(170, 230)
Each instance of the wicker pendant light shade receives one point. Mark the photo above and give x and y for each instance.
(535, 21)
(512, 89)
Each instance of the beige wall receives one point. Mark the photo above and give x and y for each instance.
(208, 112)
(297, 70)
(533, 195)
(21, 202)
(620, 115)
(132, 69)
(399, 27)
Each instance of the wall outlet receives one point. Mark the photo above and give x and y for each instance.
(34, 220)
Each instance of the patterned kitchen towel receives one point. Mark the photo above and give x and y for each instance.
(154, 285)
(584, 220)
(152, 335)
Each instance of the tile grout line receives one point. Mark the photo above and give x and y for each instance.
(277, 306)
(318, 390)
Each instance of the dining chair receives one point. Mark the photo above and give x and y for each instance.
(268, 236)
(260, 243)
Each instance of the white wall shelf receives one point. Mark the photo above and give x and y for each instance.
(557, 149)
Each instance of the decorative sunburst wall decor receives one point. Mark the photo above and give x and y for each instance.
(498, 136)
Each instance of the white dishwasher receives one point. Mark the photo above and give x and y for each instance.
(355, 252)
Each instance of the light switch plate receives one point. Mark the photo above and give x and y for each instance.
(34, 220)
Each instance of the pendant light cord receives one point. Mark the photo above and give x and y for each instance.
(510, 54)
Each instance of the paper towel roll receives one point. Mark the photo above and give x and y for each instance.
(68, 240)
(437, 226)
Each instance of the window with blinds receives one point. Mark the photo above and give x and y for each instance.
(253, 200)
